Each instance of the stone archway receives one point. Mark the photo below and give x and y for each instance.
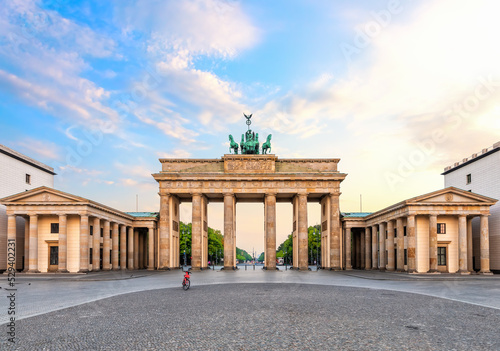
(249, 178)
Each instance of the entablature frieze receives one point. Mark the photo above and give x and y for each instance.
(255, 186)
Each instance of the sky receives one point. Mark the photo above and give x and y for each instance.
(397, 90)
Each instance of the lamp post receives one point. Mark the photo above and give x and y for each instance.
(184, 257)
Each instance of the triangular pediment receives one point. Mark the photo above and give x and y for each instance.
(451, 195)
(43, 195)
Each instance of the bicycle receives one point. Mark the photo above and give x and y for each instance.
(186, 282)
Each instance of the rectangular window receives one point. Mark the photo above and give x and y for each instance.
(102, 232)
(54, 228)
(406, 257)
(441, 256)
(395, 232)
(469, 178)
(90, 255)
(28, 178)
(441, 229)
(91, 230)
(404, 232)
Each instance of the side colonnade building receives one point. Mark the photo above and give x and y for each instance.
(66, 233)
(430, 233)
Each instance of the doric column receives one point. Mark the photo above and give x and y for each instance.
(433, 244)
(130, 249)
(374, 247)
(462, 244)
(136, 249)
(151, 249)
(368, 249)
(270, 230)
(63, 245)
(412, 244)
(348, 239)
(390, 246)
(11, 241)
(401, 245)
(33, 245)
(362, 251)
(335, 229)
(485, 245)
(96, 245)
(164, 240)
(123, 246)
(470, 267)
(197, 232)
(84, 243)
(229, 235)
(106, 265)
(382, 246)
(115, 248)
(303, 234)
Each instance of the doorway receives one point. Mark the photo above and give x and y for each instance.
(53, 258)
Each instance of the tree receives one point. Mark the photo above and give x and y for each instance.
(261, 257)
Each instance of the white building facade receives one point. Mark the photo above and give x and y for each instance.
(18, 173)
(480, 174)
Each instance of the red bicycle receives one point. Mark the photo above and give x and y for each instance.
(186, 282)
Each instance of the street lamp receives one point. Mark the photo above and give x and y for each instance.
(317, 261)
(184, 257)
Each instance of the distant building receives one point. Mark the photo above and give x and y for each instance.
(18, 173)
(480, 173)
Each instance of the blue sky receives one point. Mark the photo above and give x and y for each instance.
(396, 89)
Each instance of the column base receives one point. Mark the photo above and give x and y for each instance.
(336, 268)
(485, 273)
(412, 271)
(400, 270)
(348, 268)
(150, 269)
(33, 271)
(368, 269)
(433, 271)
(62, 271)
(391, 269)
(116, 269)
(83, 271)
(463, 272)
(164, 269)
(382, 269)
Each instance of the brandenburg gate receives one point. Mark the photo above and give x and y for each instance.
(249, 177)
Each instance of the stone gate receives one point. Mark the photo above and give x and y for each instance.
(249, 178)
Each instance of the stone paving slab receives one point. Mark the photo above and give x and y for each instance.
(38, 295)
(263, 317)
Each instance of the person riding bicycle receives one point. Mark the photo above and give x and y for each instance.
(186, 281)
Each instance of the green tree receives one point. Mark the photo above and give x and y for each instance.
(261, 257)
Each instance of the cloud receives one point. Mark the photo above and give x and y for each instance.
(178, 153)
(47, 55)
(195, 29)
(44, 149)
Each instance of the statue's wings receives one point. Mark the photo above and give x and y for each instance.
(248, 117)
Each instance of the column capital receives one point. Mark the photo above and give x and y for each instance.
(271, 193)
(164, 192)
(228, 194)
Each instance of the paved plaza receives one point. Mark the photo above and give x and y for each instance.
(254, 310)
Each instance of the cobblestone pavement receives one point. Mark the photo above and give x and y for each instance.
(264, 317)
